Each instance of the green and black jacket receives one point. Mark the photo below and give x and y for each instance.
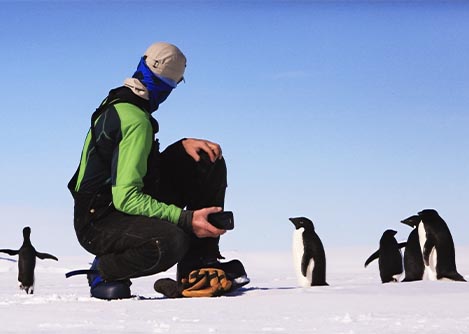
(120, 158)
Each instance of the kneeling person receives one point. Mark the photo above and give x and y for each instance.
(139, 210)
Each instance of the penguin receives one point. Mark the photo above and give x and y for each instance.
(437, 247)
(414, 266)
(389, 257)
(27, 261)
(309, 257)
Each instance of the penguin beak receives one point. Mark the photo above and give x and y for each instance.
(411, 221)
(296, 222)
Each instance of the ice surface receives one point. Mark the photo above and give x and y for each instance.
(355, 301)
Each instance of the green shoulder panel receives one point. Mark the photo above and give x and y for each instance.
(83, 161)
(133, 152)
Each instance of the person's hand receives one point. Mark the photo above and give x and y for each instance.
(200, 225)
(193, 146)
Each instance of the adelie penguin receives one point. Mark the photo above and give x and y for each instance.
(389, 257)
(27, 261)
(414, 267)
(437, 246)
(309, 257)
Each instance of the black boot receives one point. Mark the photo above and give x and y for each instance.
(108, 290)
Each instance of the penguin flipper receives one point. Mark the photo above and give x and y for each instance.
(10, 251)
(43, 256)
(427, 249)
(305, 263)
(402, 244)
(372, 257)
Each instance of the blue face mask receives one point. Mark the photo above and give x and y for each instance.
(157, 88)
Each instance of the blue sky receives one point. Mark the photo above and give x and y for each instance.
(354, 114)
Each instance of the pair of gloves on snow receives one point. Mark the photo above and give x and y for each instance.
(204, 282)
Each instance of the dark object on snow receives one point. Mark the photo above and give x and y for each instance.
(390, 257)
(232, 270)
(204, 282)
(100, 288)
(27, 261)
(414, 267)
(168, 288)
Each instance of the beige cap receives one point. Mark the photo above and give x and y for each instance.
(166, 60)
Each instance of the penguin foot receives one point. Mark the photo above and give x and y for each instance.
(28, 289)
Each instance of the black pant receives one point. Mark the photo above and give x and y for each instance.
(131, 246)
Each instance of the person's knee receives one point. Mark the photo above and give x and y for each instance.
(173, 250)
(214, 172)
(180, 245)
(220, 167)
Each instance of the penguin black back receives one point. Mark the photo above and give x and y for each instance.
(389, 257)
(27, 261)
(414, 267)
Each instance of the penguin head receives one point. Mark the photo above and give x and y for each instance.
(388, 238)
(304, 222)
(428, 213)
(26, 232)
(389, 233)
(412, 221)
(430, 216)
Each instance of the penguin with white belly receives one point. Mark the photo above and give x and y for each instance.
(437, 247)
(309, 257)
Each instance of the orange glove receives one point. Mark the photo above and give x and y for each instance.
(205, 282)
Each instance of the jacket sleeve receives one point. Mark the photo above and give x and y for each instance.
(129, 166)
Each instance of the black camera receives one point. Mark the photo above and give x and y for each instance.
(223, 220)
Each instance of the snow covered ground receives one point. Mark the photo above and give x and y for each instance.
(355, 301)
